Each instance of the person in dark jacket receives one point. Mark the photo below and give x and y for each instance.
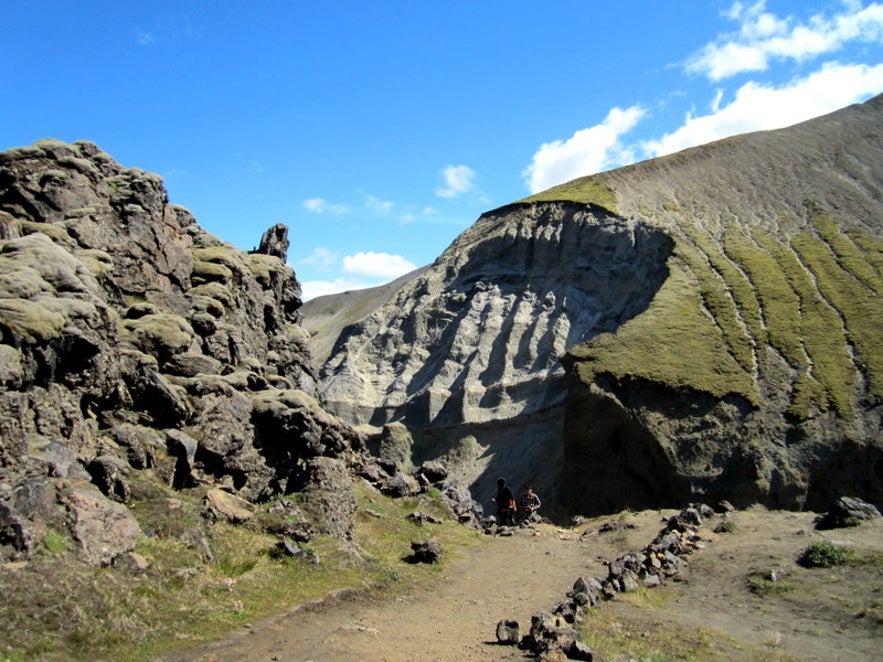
(505, 501)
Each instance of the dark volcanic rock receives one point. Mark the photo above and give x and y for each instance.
(847, 511)
(131, 340)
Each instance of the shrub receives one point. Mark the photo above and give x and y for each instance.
(824, 555)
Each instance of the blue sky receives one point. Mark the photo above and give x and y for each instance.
(378, 131)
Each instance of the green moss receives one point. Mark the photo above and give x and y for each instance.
(263, 267)
(674, 342)
(54, 231)
(870, 247)
(860, 306)
(161, 334)
(739, 286)
(210, 271)
(717, 298)
(849, 255)
(594, 190)
(224, 254)
(31, 320)
(779, 303)
(215, 291)
(829, 375)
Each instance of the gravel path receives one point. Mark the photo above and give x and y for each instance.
(453, 618)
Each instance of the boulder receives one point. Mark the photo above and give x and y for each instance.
(425, 551)
(328, 499)
(508, 633)
(847, 511)
(102, 529)
(222, 504)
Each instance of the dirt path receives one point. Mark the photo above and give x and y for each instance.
(454, 618)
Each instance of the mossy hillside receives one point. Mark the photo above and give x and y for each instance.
(593, 190)
(675, 342)
(160, 334)
(811, 293)
(842, 282)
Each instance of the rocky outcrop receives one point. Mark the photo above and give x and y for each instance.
(694, 326)
(134, 343)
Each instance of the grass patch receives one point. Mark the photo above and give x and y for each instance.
(593, 190)
(763, 585)
(202, 580)
(641, 635)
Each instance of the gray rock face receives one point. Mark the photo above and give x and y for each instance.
(466, 354)
(476, 337)
(133, 340)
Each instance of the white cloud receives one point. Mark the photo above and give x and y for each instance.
(317, 288)
(320, 206)
(321, 258)
(359, 271)
(763, 36)
(377, 265)
(588, 151)
(378, 205)
(458, 180)
(758, 107)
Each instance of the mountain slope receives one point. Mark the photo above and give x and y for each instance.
(717, 316)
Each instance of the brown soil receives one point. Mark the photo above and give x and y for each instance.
(817, 614)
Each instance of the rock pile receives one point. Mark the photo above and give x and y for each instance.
(432, 476)
(553, 634)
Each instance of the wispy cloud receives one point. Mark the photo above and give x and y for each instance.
(762, 36)
(458, 179)
(378, 205)
(322, 206)
(321, 258)
(759, 107)
(166, 28)
(586, 152)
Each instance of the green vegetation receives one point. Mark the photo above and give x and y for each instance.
(617, 634)
(763, 585)
(828, 372)
(718, 298)
(674, 342)
(593, 190)
(859, 303)
(200, 581)
(814, 297)
(825, 555)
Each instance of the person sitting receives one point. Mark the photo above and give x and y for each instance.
(530, 504)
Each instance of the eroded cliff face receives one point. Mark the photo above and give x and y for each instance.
(137, 347)
(694, 327)
(466, 354)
